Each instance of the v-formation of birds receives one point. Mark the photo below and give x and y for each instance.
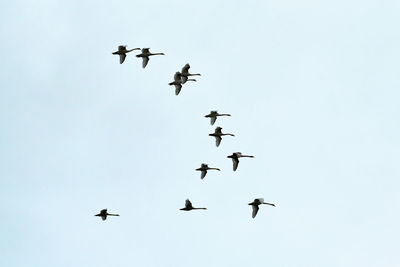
(181, 78)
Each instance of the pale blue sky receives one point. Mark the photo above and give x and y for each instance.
(313, 90)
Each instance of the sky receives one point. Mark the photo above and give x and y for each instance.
(313, 89)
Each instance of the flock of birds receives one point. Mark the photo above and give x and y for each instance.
(181, 78)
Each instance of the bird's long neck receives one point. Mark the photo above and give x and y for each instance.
(108, 214)
(193, 80)
(247, 156)
(199, 208)
(214, 169)
(224, 114)
(155, 54)
(228, 134)
(194, 74)
(271, 204)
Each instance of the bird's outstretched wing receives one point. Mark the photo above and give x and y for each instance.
(218, 140)
(203, 174)
(122, 58)
(145, 61)
(186, 68)
(188, 204)
(235, 163)
(213, 119)
(255, 210)
(178, 88)
(104, 217)
(218, 130)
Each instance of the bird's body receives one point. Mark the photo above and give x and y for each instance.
(103, 214)
(235, 159)
(204, 168)
(122, 51)
(188, 206)
(256, 202)
(177, 82)
(146, 54)
(218, 135)
(185, 74)
(213, 116)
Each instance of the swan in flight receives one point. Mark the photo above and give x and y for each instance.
(188, 206)
(204, 168)
(218, 135)
(178, 82)
(122, 51)
(103, 214)
(256, 203)
(146, 54)
(235, 158)
(213, 116)
(185, 73)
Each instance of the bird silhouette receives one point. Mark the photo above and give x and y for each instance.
(122, 51)
(213, 116)
(145, 56)
(178, 82)
(218, 135)
(188, 206)
(185, 73)
(204, 168)
(256, 203)
(235, 159)
(103, 214)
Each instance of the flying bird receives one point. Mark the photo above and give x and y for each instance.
(218, 135)
(103, 214)
(185, 73)
(178, 82)
(204, 168)
(188, 206)
(256, 203)
(122, 51)
(235, 159)
(146, 54)
(213, 116)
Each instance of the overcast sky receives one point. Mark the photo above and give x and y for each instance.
(313, 89)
